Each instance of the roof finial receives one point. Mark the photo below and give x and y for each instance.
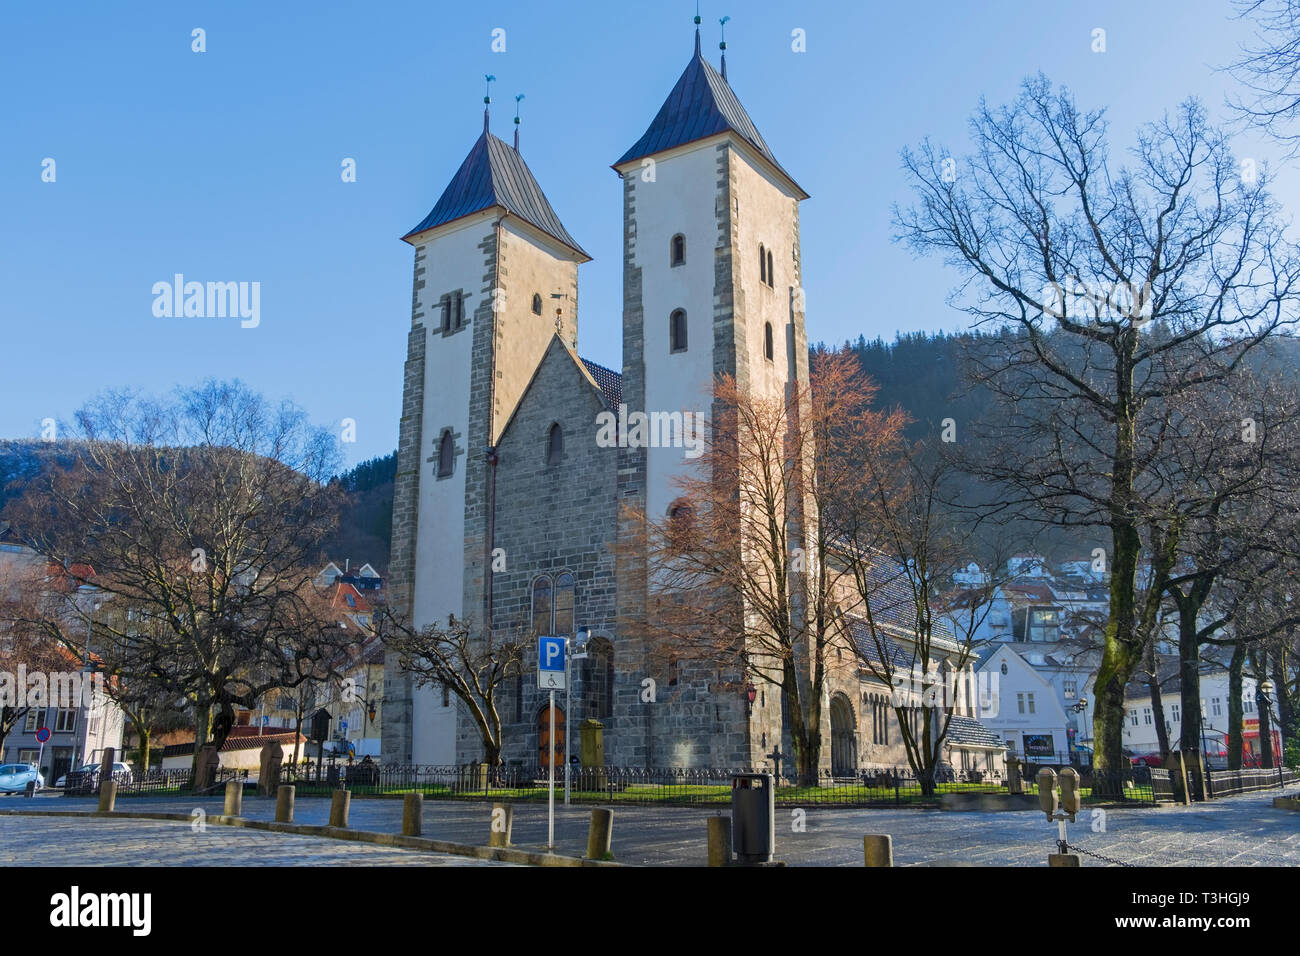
(487, 99)
(518, 97)
(723, 45)
(697, 27)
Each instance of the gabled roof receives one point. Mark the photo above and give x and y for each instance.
(610, 382)
(493, 174)
(702, 104)
(968, 730)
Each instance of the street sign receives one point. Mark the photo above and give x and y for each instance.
(266, 720)
(550, 662)
(343, 725)
(43, 735)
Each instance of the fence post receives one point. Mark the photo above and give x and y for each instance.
(412, 814)
(877, 850)
(339, 804)
(601, 834)
(719, 841)
(284, 803)
(234, 797)
(107, 795)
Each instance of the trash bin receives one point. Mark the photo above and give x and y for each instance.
(753, 817)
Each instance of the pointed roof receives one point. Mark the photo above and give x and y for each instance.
(493, 174)
(702, 104)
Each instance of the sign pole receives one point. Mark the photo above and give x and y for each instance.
(550, 821)
(567, 698)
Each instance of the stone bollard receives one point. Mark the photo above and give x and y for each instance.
(1015, 783)
(877, 850)
(412, 814)
(107, 796)
(719, 841)
(601, 834)
(339, 804)
(503, 819)
(234, 797)
(1063, 859)
(284, 803)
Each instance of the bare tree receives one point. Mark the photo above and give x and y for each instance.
(1269, 68)
(456, 656)
(202, 515)
(901, 547)
(1127, 287)
(743, 578)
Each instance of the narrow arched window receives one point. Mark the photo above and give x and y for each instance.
(446, 454)
(542, 605)
(677, 331)
(771, 273)
(767, 341)
(598, 679)
(677, 250)
(762, 264)
(537, 304)
(565, 604)
(555, 445)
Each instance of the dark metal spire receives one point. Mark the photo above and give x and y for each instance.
(487, 101)
(723, 45)
(518, 97)
(697, 27)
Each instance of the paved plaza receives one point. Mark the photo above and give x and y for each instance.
(1234, 831)
(78, 841)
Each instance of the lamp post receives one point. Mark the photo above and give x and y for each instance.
(1079, 707)
(579, 654)
(1266, 688)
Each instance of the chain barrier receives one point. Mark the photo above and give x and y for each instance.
(1105, 859)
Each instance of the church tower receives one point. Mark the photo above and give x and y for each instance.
(711, 285)
(496, 278)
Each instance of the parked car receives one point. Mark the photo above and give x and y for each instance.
(88, 772)
(1146, 760)
(14, 777)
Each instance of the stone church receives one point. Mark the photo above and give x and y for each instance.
(507, 509)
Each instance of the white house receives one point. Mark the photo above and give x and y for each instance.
(1028, 714)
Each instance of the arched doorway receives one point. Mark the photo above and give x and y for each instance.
(844, 739)
(544, 738)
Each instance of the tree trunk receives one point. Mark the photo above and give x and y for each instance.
(1285, 703)
(1235, 705)
(1261, 707)
(1157, 704)
(145, 736)
(1189, 673)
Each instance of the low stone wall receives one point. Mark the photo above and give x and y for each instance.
(988, 801)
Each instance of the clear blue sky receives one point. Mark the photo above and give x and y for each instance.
(225, 165)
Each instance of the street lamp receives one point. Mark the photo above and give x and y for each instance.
(579, 654)
(1266, 688)
(1079, 707)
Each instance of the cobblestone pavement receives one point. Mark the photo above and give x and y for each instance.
(47, 841)
(1235, 831)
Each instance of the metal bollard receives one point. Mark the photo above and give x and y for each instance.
(234, 798)
(339, 804)
(284, 795)
(877, 850)
(601, 834)
(30, 789)
(503, 819)
(107, 796)
(412, 814)
(720, 841)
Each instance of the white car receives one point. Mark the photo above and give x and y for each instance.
(14, 777)
(121, 773)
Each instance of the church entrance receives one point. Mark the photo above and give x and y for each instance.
(844, 741)
(544, 738)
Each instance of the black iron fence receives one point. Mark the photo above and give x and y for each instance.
(130, 783)
(680, 786)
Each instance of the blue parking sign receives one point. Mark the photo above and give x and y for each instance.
(550, 662)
